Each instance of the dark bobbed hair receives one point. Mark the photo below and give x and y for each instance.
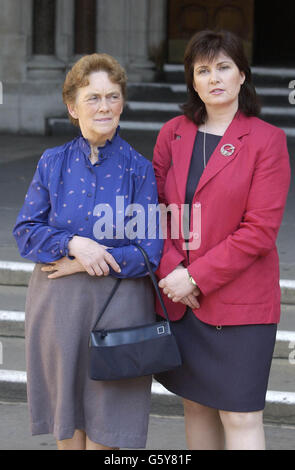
(207, 45)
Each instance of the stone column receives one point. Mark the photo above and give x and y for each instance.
(139, 63)
(43, 63)
(112, 29)
(13, 40)
(122, 31)
(157, 32)
(64, 34)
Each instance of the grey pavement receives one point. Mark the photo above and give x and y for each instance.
(165, 432)
(18, 159)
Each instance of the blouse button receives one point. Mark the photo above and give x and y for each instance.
(86, 218)
(89, 194)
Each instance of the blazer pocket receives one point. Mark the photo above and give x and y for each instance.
(256, 285)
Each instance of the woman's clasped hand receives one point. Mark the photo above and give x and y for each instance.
(89, 256)
(178, 287)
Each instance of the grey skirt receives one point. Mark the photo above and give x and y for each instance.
(60, 314)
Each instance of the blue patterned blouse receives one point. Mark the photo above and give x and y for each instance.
(112, 202)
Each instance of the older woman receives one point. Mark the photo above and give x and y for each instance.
(77, 219)
(221, 275)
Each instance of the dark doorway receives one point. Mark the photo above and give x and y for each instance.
(274, 36)
(186, 17)
(85, 26)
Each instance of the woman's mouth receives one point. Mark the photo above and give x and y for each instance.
(103, 119)
(217, 91)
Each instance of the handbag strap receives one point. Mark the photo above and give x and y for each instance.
(117, 283)
(154, 280)
(113, 291)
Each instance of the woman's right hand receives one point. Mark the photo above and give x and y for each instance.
(93, 256)
(191, 300)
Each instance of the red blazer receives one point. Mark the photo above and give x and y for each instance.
(242, 198)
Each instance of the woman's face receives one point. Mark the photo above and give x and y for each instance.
(98, 107)
(218, 83)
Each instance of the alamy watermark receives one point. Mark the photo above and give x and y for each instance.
(292, 353)
(292, 93)
(137, 221)
(1, 353)
(1, 93)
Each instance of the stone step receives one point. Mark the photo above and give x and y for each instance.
(280, 407)
(149, 112)
(149, 105)
(164, 109)
(279, 116)
(273, 76)
(157, 91)
(262, 76)
(287, 320)
(280, 402)
(62, 127)
(176, 93)
(13, 297)
(15, 273)
(12, 325)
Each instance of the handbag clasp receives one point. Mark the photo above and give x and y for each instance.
(160, 330)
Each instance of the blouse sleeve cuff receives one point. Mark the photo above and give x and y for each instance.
(64, 246)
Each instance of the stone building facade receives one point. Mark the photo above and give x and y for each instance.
(38, 46)
(41, 39)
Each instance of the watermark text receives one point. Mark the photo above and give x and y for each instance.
(292, 353)
(175, 221)
(292, 93)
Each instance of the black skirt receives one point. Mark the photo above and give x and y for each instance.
(226, 368)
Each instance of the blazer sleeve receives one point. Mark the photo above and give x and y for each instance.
(161, 162)
(258, 230)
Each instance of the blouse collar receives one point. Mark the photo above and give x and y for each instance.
(104, 151)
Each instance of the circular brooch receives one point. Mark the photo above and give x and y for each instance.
(227, 150)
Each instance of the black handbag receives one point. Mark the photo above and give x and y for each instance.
(133, 352)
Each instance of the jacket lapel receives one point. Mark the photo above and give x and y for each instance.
(182, 148)
(218, 160)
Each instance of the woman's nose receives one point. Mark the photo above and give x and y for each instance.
(214, 77)
(103, 104)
